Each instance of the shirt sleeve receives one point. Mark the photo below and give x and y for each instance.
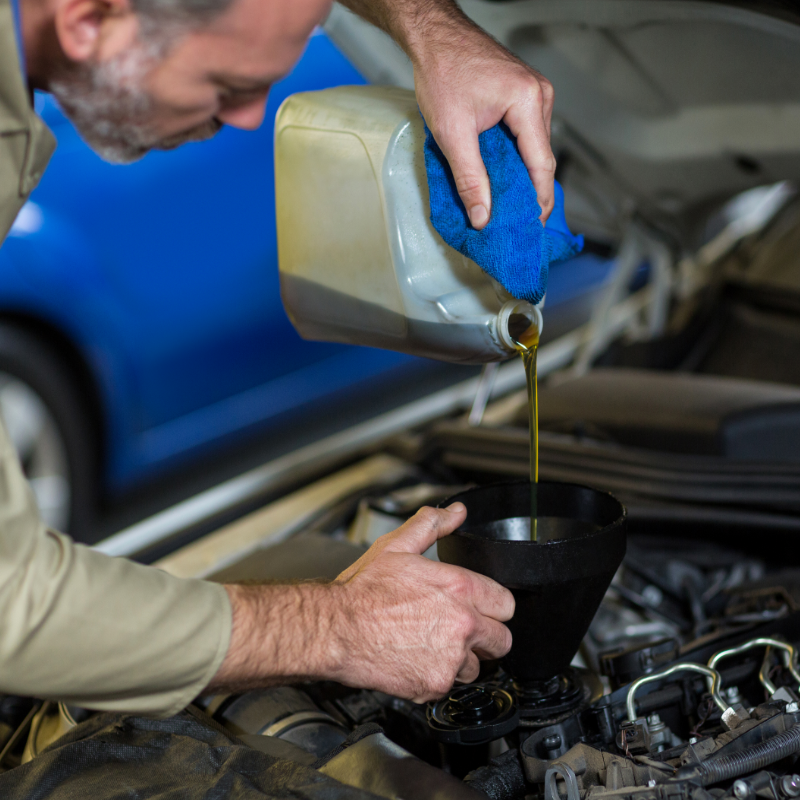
(95, 631)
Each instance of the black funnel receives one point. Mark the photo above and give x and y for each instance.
(559, 581)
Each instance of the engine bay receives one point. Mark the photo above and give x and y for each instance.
(686, 684)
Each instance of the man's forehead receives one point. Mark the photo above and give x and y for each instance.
(268, 22)
(255, 41)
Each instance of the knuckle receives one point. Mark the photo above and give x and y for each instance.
(468, 184)
(460, 583)
(546, 164)
(536, 92)
(428, 516)
(504, 604)
(464, 625)
(419, 690)
(471, 672)
(442, 127)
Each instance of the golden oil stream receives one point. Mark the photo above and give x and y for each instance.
(528, 347)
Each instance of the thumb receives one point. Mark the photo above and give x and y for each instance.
(425, 528)
(462, 151)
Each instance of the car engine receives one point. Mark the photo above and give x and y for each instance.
(686, 685)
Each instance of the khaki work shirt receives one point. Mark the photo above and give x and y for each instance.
(75, 625)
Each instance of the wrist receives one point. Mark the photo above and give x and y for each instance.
(423, 27)
(318, 625)
(304, 644)
(281, 634)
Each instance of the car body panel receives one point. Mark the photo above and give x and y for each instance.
(164, 275)
(667, 107)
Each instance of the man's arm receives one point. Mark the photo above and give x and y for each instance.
(94, 631)
(107, 634)
(394, 621)
(466, 83)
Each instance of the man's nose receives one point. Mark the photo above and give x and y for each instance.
(247, 116)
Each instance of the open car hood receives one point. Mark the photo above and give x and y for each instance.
(663, 108)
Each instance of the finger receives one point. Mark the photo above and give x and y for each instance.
(470, 669)
(548, 100)
(485, 595)
(527, 123)
(490, 599)
(459, 143)
(490, 639)
(425, 528)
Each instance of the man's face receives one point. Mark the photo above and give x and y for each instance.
(156, 89)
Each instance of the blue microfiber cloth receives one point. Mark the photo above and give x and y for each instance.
(514, 247)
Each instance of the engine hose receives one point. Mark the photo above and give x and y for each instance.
(750, 759)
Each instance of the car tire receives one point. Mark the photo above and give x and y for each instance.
(48, 420)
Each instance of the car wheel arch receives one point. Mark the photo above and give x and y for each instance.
(74, 367)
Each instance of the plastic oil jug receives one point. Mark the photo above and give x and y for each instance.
(360, 261)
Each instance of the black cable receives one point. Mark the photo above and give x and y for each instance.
(751, 759)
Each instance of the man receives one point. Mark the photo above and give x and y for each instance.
(108, 634)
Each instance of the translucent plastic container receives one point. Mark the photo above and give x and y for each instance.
(360, 261)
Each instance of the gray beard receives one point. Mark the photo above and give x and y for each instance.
(111, 110)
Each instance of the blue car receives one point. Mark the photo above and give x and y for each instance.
(140, 316)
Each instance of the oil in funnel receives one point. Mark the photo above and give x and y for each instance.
(557, 582)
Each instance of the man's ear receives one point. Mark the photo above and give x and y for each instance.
(88, 30)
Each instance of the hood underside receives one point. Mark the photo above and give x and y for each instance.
(676, 106)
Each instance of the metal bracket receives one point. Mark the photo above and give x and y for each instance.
(551, 777)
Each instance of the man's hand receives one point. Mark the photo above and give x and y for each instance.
(394, 621)
(466, 83)
(415, 626)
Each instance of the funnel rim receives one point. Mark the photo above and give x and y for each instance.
(621, 520)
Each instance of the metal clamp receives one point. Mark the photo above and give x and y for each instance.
(558, 771)
(714, 683)
(788, 652)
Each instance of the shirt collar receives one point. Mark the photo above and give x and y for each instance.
(18, 32)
